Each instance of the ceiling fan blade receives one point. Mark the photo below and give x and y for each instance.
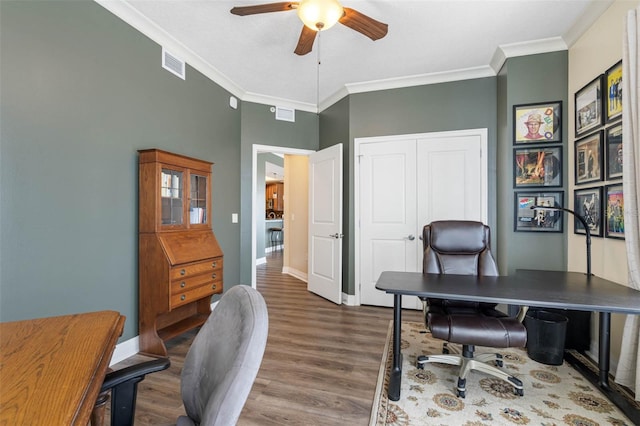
(363, 24)
(264, 8)
(305, 43)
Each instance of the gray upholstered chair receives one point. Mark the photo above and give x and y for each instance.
(224, 359)
(464, 248)
(219, 370)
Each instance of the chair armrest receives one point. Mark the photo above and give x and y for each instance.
(521, 313)
(116, 378)
(123, 385)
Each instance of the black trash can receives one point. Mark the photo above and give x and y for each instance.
(546, 332)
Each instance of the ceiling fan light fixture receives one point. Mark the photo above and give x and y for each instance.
(319, 15)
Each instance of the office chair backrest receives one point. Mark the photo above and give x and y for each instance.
(458, 247)
(224, 359)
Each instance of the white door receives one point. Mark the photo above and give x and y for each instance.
(451, 177)
(406, 183)
(387, 214)
(325, 223)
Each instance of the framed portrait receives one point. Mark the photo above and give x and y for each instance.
(528, 219)
(614, 151)
(541, 166)
(588, 204)
(536, 123)
(588, 158)
(614, 199)
(613, 93)
(588, 103)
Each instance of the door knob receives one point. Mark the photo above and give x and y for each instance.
(411, 237)
(336, 235)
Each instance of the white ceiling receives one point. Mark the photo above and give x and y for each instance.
(428, 41)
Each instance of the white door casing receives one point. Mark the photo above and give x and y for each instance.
(325, 223)
(449, 172)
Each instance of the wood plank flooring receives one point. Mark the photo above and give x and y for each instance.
(320, 366)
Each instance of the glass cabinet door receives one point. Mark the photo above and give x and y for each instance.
(198, 199)
(171, 190)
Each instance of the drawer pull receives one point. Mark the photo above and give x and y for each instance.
(213, 275)
(182, 271)
(183, 297)
(213, 287)
(214, 264)
(182, 284)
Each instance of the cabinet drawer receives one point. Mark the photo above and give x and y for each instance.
(189, 283)
(182, 298)
(196, 268)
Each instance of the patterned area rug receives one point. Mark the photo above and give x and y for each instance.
(553, 395)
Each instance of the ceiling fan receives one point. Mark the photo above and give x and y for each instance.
(319, 15)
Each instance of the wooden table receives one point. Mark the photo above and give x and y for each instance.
(51, 369)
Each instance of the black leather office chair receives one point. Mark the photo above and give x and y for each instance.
(463, 248)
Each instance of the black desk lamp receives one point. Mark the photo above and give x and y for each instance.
(584, 224)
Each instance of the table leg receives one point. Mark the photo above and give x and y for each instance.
(396, 370)
(604, 342)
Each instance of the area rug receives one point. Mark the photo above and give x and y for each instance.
(553, 395)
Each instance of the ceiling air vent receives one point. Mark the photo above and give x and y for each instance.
(285, 114)
(173, 64)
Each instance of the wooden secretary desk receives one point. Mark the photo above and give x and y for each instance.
(179, 260)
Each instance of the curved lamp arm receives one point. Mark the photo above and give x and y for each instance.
(584, 224)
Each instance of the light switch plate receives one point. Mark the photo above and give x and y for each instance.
(234, 217)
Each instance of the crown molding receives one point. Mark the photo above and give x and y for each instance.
(133, 17)
(420, 79)
(592, 12)
(281, 102)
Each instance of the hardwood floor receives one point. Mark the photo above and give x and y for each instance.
(320, 365)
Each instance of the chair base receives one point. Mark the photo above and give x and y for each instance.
(468, 362)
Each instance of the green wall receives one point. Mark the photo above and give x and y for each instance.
(259, 127)
(456, 105)
(526, 80)
(81, 92)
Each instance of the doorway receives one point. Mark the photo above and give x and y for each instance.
(258, 201)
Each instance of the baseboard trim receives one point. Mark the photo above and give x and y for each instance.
(302, 276)
(349, 299)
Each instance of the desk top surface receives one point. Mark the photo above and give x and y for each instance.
(548, 289)
(51, 369)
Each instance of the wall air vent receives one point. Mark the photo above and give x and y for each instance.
(173, 64)
(285, 114)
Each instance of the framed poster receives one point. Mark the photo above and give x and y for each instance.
(588, 158)
(588, 204)
(536, 123)
(614, 199)
(588, 102)
(528, 219)
(614, 151)
(613, 104)
(541, 166)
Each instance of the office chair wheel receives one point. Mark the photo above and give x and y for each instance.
(498, 361)
(461, 394)
(519, 392)
(421, 361)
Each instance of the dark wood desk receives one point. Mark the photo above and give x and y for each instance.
(547, 289)
(51, 369)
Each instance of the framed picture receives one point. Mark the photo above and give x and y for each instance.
(613, 104)
(537, 166)
(588, 102)
(527, 219)
(588, 204)
(536, 123)
(588, 158)
(614, 199)
(614, 151)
